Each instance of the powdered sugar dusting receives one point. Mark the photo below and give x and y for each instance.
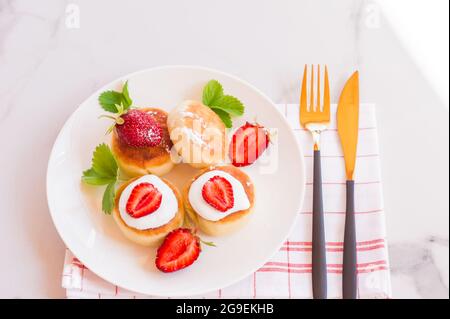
(193, 136)
(154, 134)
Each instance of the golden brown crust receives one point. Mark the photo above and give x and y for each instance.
(142, 160)
(149, 236)
(214, 227)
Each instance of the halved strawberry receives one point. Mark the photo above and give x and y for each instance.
(179, 250)
(144, 199)
(218, 193)
(247, 144)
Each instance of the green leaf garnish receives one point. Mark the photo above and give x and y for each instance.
(108, 198)
(116, 102)
(104, 171)
(212, 92)
(103, 162)
(126, 97)
(109, 99)
(120, 108)
(230, 104)
(91, 177)
(224, 116)
(223, 105)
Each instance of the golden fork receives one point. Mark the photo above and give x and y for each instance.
(316, 118)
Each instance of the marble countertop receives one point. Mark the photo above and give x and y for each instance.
(53, 54)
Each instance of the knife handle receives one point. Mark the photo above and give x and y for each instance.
(349, 275)
(319, 259)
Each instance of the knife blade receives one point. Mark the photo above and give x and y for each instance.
(347, 124)
(348, 121)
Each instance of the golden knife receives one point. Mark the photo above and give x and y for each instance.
(347, 124)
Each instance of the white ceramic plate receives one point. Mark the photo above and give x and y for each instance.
(93, 237)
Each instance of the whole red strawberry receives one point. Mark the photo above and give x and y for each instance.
(179, 250)
(139, 129)
(248, 143)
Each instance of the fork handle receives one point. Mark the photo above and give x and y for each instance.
(319, 260)
(349, 276)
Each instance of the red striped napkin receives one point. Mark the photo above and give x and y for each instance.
(288, 273)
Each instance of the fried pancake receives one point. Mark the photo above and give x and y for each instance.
(198, 134)
(151, 236)
(136, 161)
(230, 223)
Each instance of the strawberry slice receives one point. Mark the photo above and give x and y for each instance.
(218, 193)
(247, 144)
(179, 250)
(144, 200)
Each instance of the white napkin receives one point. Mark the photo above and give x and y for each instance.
(288, 273)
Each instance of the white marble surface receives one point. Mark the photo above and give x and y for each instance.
(47, 69)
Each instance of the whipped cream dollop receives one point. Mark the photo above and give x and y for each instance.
(208, 212)
(166, 211)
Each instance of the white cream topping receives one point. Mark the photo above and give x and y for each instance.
(165, 212)
(208, 212)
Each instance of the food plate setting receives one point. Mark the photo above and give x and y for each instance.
(223, 152)
(175, 181)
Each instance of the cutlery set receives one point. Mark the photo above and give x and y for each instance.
(315, 117)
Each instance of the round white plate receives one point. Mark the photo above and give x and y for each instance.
(93, 237)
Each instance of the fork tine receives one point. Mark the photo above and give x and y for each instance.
(303, 96)
(318, 107)
(326, 95)
(311, 91)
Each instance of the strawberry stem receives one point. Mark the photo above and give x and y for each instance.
(107, 116)
(117, 119)
(109, 130)
(208, 243)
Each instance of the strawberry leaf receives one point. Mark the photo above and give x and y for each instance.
(104, 171)
(224, 106)
(109, 99)
(224, 116)
(212, 92)
(91, 177)
(104, 163)
(126, 97)
(108, 198)
(230, 104)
